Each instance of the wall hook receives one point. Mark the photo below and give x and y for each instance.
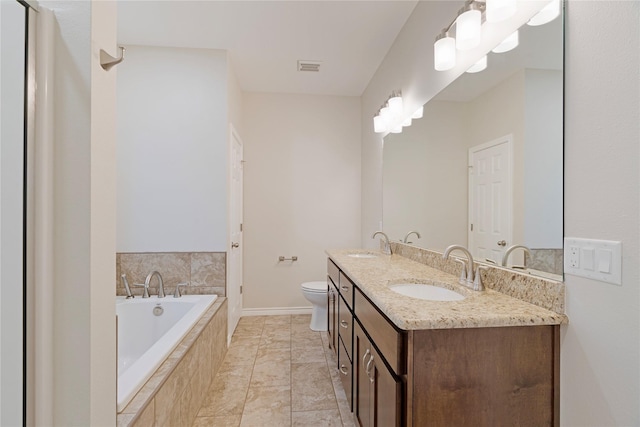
(107, 61)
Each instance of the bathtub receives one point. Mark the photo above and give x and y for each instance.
(148, 331)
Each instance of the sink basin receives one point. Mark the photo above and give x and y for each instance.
(426, 292)
(363, 255)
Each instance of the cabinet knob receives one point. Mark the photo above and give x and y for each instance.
(344, 288)
(344, 324)
(343, 370)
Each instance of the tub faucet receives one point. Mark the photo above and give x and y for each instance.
(409, 234)
(160, 284)
(125, 282)
(466, 278)
(387, 245)
(510, 249)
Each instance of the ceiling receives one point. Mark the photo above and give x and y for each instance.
(265, 39)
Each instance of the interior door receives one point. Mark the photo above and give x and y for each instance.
(234, 278)
(490, 199)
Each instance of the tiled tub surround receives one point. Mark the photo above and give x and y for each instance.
(551, 260)
(205, 271)
(491, 308)
(174, 394)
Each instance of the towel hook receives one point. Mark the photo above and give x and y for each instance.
(107, 61)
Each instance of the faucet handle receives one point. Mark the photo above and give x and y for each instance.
(177, 293)
(463, 272)
(477, 282)
(145, 294)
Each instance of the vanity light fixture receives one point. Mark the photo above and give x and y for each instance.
(468, 29)
(507, 44)
(547, 14)
(390, 117)
(478, 66)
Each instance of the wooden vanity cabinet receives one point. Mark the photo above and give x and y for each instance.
(333, 296)
(491, 376)
(377, 394)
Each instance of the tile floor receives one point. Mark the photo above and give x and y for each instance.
(276, 373)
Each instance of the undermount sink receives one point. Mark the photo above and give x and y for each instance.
(363, 255)
(426, 292)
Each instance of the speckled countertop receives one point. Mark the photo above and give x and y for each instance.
(488, 308)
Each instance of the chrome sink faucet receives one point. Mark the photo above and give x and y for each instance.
(409, 234)
(510, 249)
(160, 284)
(467, 278)
(387, 246)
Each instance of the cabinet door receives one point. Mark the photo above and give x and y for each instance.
(332, 295)
(378, 393)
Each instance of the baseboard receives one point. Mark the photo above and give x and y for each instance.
(276, 311)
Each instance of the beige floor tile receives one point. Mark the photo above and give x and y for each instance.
(249, 329)
(242, 351)
(277, 320)
(228, 392)
(311, 387)
(307, 354)
(276, 339)
(273, 367)
(224, 421)
(267, 406)
(324, 418)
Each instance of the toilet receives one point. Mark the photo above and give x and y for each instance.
(316, 293)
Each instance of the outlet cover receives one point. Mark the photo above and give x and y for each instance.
(595, 259)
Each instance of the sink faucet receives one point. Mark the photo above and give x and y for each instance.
(409, 234)
(160, 284)
(387, 245)
(510, 249)
(467, 277)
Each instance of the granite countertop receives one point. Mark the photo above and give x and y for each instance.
(488, 308)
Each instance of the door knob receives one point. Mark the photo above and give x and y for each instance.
(502, 243)
(235, 245)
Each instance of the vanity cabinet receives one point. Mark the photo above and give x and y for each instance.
(377, 394)
(483, 376)
(332, 312)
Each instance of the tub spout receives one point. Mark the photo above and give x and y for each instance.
(160, 284)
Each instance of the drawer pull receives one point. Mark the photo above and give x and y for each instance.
(344, 324)
(343, 370)
(368, 370)
(345, 288)
(366, 353)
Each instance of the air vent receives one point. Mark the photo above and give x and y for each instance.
(313, 66)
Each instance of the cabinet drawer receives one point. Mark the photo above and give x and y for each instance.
(333, 272)
(386, 337)
(346, 290)
(345, 368)
(345, 326)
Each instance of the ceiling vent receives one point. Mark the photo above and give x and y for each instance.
(313, 66)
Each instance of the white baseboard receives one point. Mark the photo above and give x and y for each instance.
(276, 311)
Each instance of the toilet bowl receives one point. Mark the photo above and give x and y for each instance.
(316, 293)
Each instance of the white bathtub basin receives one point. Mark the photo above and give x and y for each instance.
(426, 292)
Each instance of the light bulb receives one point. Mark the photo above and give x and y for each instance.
(547, 14)
(499, 10)
(418, 113)
(468, 29)
(395, 106)
(397, 129)
(507, 44)
(478, 66)
(407, 122)
(444, 52)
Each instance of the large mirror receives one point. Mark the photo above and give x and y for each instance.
(484, 166)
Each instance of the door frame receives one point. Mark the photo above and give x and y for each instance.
(506, 139)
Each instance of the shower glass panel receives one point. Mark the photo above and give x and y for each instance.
(13, 24)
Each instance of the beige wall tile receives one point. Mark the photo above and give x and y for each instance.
(208, 269)
(173, 267)
(147, 417)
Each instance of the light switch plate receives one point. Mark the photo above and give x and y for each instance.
(596, 259)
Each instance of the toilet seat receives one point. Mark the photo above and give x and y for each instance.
(317, 287)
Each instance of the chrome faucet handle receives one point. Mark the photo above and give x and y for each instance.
(477, 282)
(125, 282)
(160, 284)
(177, 293)
(463, 272)
(145, 294)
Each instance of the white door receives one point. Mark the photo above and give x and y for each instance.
(234, 276)
(490, 199)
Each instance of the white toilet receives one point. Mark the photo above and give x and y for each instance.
(316, 293)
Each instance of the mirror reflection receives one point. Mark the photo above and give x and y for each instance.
(483, 167)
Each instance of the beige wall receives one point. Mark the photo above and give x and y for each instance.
(600, 378)
(302, 191)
